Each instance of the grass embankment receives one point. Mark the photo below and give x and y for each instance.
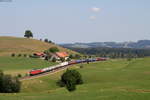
(110, 80)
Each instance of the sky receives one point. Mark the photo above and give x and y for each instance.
(70, 21)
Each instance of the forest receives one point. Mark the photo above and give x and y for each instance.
(114, 52)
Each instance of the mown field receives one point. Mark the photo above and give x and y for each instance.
(110, 80)
(9, 45)
(21, 65)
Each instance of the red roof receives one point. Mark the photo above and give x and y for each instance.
(62, 54)
(39, 53)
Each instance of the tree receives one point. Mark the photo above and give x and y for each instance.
(77, 56)
(62, 59)
(1, 80)
(48, 57)
(70, 84)
(50, 41)
(71, 78)
(19, 55)
(28, 34)
(9, 84)
(53, 49)
(71, 56)
(13, 54)
(68, 59)
(25, 55)
(46, 40)
(54, 59)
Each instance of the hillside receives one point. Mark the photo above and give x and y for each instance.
(141, 44)
(10, 45)
(111, 80)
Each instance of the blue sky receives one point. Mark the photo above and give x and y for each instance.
(68, 21)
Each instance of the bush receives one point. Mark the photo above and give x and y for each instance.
(54, 59)
(70, 84)
(19, 75)
(129, 59)
(19, 55)
(71, 56)
(53, 49)
(46, 40)
(49, 41)
(81, 66)
(33, 56)
(77, 56)
(70, 79)
(25, 55)
(68, 59)
(48, 57)
(9, 84)
(62, 59)
(13, 54)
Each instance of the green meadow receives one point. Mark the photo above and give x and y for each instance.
(21, 65)
(110, 80)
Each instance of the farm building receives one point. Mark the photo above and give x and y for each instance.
(59, 55)
(39, 54)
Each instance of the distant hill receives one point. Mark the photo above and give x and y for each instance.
(141, 44)
(17, 45)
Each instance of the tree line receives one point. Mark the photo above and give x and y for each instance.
(114, 52)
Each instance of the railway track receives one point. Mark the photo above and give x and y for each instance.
(47, 73)
(43, 74)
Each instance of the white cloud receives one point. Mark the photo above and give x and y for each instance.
(95, 9)
(93, 17)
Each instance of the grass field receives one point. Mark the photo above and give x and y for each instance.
(110, 80)
(22, 65)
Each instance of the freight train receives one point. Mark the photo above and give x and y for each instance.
(62, 65)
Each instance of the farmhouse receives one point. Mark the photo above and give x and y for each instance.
(59, 55)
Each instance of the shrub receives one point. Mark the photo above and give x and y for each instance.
(19, 55)
(19, 75)
(13, 54)
(70, 84)
(54, 59)
(129, 59)
(77, 56)
(25, 55)
(81, 66)
(46, 40)
(9, 84)
(71, 78)
(68, 59)
(71, 56)
(49, 41)
(62, 59)
(53, 49)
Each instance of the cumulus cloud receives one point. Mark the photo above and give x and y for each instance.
(95, 9)
(93, 17)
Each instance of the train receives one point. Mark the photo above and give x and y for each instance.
(63, 65)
